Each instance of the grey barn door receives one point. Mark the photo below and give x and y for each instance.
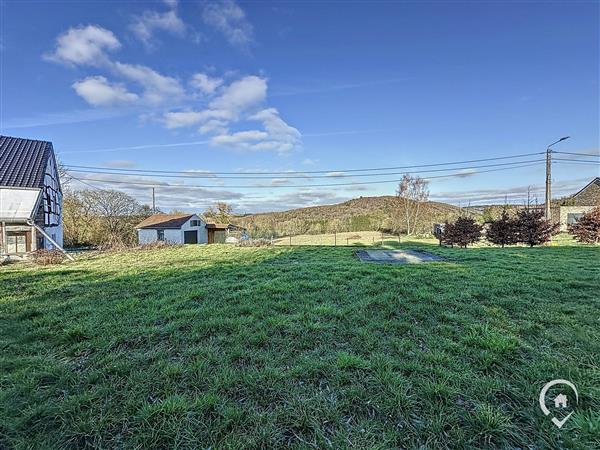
(190, 237)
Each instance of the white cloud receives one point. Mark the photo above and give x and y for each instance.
(245, 139)
(214, 126)
(240, 101)
(230, 20)
(205, 84)
(279, 131)
(84, 45)
(241, 95)
(98, 91)
(157, 88)
(180, 119)
(145, 25)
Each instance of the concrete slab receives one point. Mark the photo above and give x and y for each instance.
(397, 256)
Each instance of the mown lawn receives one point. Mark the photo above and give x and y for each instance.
(224, 347)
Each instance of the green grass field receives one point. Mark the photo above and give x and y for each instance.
(224, 347)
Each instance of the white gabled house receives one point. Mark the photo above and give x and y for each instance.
(173, 228)
(30, 197)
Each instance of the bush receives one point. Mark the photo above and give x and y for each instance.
(463, 232)
(503, 231)
(533, 229)
(44, 257)
(587, 228)
(254, 243)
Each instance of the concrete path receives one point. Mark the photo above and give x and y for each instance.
(397, 256)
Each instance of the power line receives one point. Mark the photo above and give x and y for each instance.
(578, 161)
(302, 172)
(337, 174)
(593, 155)
(186, 186)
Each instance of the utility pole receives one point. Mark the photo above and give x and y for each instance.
(547, 210)
(548, 183)
(153, 202)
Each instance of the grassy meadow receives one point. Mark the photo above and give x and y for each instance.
(224, 347)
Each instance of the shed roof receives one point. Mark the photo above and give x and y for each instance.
(217, 226)
(23, 161)
(162, 221)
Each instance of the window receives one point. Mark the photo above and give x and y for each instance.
(194, 223)
(160, 235)
(573, 217)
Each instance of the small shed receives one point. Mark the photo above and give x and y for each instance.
(173, 228)
(217, 233)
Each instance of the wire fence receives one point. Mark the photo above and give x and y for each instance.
(344, 239)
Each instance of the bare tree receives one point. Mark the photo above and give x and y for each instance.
(220, 212)
(118, 212)
(412, 192)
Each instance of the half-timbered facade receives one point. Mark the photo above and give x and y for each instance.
(30, 196)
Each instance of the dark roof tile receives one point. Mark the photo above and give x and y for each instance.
(23, 161)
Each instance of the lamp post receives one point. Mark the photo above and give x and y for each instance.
(547, 213)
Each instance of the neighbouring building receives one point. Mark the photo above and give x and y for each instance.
(187, 229)
(577, 204)
(30, 197)
(173, 228)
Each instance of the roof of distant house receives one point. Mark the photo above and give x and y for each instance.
(217, 226)
(23, 161)
(589, 195)
(164, 221)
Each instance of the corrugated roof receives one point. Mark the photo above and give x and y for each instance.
(159, 221)
(23, 161)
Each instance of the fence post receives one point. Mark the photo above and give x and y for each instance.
(382, 238)
(290, 240)
(334, 239)
(347, 242)
(398, 238)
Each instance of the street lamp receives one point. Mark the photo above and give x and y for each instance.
(549, 177)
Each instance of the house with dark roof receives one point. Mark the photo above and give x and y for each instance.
(187, 229)
(30, 196)
(575, 206)
(173, 228)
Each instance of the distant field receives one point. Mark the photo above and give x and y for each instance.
(358, 238)
(224, 347)
(370, 238)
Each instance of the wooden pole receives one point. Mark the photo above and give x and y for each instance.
(548, 183)
(4, 246)
(153, 202)
(47, 236)
(290, 240)
(334, 239)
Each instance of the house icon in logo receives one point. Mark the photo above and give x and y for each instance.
(560, 401)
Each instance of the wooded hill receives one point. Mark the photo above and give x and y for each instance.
(359, 214)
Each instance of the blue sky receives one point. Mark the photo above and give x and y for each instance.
(303, 86)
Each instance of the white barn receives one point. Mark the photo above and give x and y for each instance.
(30, 197)
(173, 228)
